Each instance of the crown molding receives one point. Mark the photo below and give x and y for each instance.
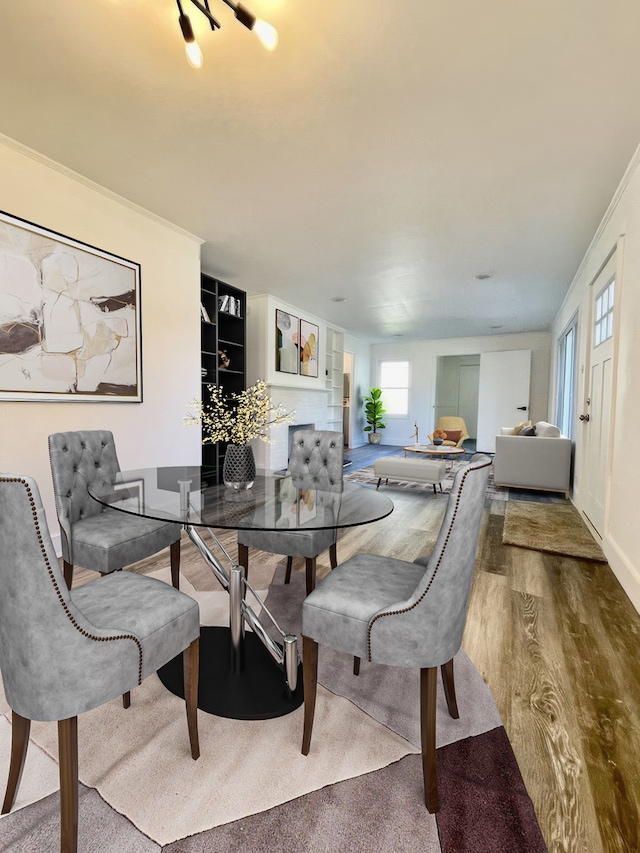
(8, 142)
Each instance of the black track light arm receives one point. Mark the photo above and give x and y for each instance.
(266, 34)
(243, 15)
(215, 25)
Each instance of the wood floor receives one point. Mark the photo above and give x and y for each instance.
(558, 642)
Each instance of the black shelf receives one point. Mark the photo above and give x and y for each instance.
(224, 331)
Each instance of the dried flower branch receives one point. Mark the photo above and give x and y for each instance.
(237, 418)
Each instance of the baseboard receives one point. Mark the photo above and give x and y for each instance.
(623, 570)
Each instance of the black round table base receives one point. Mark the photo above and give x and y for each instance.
(257, 692)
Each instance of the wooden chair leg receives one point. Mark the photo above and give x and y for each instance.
(310, 684)
(126, 699)
(243, 558)
(287, 577)
(20, 727)
(356, 665)
(450, 689)
(67, 569)
(175, 563)
(428, 692)
(68, 758)
(333, 555)
(310, 565)
(190, 663)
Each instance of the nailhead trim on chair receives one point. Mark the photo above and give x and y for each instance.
(57, 588)
(435, 571)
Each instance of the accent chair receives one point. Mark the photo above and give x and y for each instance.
(315, 462)
(405, 614)
(66, 651)
(452, 423)
(93, 536)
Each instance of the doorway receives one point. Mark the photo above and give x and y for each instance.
(347, 390)
(489, 390)
(457, 389)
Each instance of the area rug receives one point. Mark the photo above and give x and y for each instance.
(553, 527)
(359, 789)
(366, 475)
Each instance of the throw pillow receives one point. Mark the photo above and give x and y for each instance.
(528, 430)
(518, 427)
(547, 430)
(453, 435)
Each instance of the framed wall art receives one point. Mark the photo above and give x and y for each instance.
(287, 354)
(308, 349)
(69, 318)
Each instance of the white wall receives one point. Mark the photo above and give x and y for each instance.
(423, 356)
(621, 227)
(147, 433)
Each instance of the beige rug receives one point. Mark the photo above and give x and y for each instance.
(252, 790)
(553, 527)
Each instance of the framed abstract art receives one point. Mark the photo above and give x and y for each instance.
(287, 355)
(308, 349)
(69, 318)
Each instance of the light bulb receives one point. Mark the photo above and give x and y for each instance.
(191, 46)
(194, 54)
(267, 35)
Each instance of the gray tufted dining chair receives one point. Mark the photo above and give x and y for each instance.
(316, 462)
(93, 536)
(393, 612)
(63, 652)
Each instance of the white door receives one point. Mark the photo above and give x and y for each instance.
(595, 429)
(503, 394)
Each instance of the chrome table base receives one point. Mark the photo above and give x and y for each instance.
(237, 674)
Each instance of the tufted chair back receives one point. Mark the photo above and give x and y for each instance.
(429, 624)
(79, 459)
(316, 460)
(47, 646)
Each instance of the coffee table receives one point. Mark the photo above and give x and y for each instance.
(432, 450)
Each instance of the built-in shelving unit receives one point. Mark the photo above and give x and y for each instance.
(334, 368)
(223, 357)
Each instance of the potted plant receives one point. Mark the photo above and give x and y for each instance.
(236, 419)
(373, 411)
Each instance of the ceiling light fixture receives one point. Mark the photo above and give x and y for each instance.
(267, 35)
(482, 276)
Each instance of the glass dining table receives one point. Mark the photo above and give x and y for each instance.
(252, 674)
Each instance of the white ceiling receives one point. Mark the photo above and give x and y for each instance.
(386, 152)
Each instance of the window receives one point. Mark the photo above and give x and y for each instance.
(567, 378)
(394, 384)
(603, 326)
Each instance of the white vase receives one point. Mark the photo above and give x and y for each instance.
(239, 468)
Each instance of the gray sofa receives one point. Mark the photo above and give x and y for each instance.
(541, 461)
